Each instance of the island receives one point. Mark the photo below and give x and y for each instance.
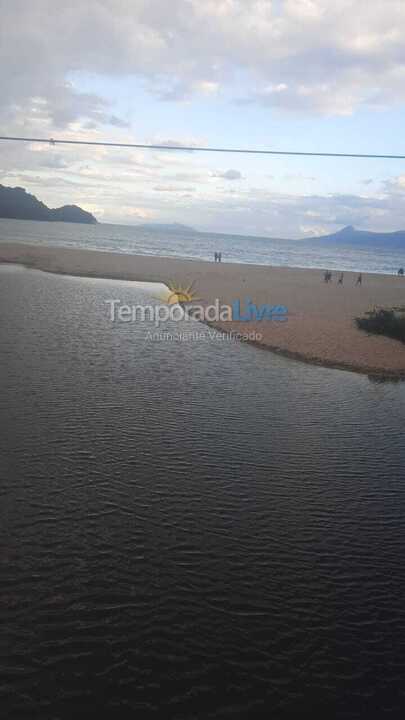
(16, 203)
(351, 237)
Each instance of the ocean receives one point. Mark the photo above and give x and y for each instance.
(234, 248)
(190, 529)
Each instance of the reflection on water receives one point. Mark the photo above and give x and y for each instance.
(379, 379)
(191, 529)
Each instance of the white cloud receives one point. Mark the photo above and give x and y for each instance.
(313, 55)
(228, 174)
(172, 188)
(137, 213)
(395, 185)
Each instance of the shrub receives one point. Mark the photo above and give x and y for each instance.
(384, 321)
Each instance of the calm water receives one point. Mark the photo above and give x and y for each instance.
(191, 529)
(260, 251)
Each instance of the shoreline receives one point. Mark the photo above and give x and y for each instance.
(188, 258)
(376, 374)
(320, 329)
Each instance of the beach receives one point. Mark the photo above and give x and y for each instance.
(320, 327)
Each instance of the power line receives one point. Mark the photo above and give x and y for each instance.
(184, 148)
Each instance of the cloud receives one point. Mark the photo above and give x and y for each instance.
(297, 216)
(188, 143)
(171, 188)
(137, 213)
(60, 64)
(126, 191)
(317, 56)
(228, 175)
(395, 185)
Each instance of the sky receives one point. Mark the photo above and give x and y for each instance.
(306, 75)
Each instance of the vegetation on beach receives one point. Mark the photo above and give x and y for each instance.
(384, 321)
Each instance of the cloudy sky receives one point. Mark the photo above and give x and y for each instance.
(313, 75)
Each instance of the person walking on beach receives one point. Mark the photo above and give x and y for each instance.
(359, 279)
(219, 257)
(340, 281)
(216, 257)
(327, 276)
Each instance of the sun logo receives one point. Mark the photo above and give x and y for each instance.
(179, 294)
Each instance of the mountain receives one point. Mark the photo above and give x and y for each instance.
(17, 203)
(349, 236)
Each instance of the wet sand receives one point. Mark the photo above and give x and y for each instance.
(320, 327)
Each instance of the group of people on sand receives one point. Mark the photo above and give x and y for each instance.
(328, 278)
(218, 257)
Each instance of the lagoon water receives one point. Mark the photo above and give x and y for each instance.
(201, 246)
(191, 529)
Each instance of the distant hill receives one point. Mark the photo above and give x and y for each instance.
(18, 204)
(351, 237)
(167, 227)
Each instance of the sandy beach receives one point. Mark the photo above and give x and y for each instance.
(320, 327)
